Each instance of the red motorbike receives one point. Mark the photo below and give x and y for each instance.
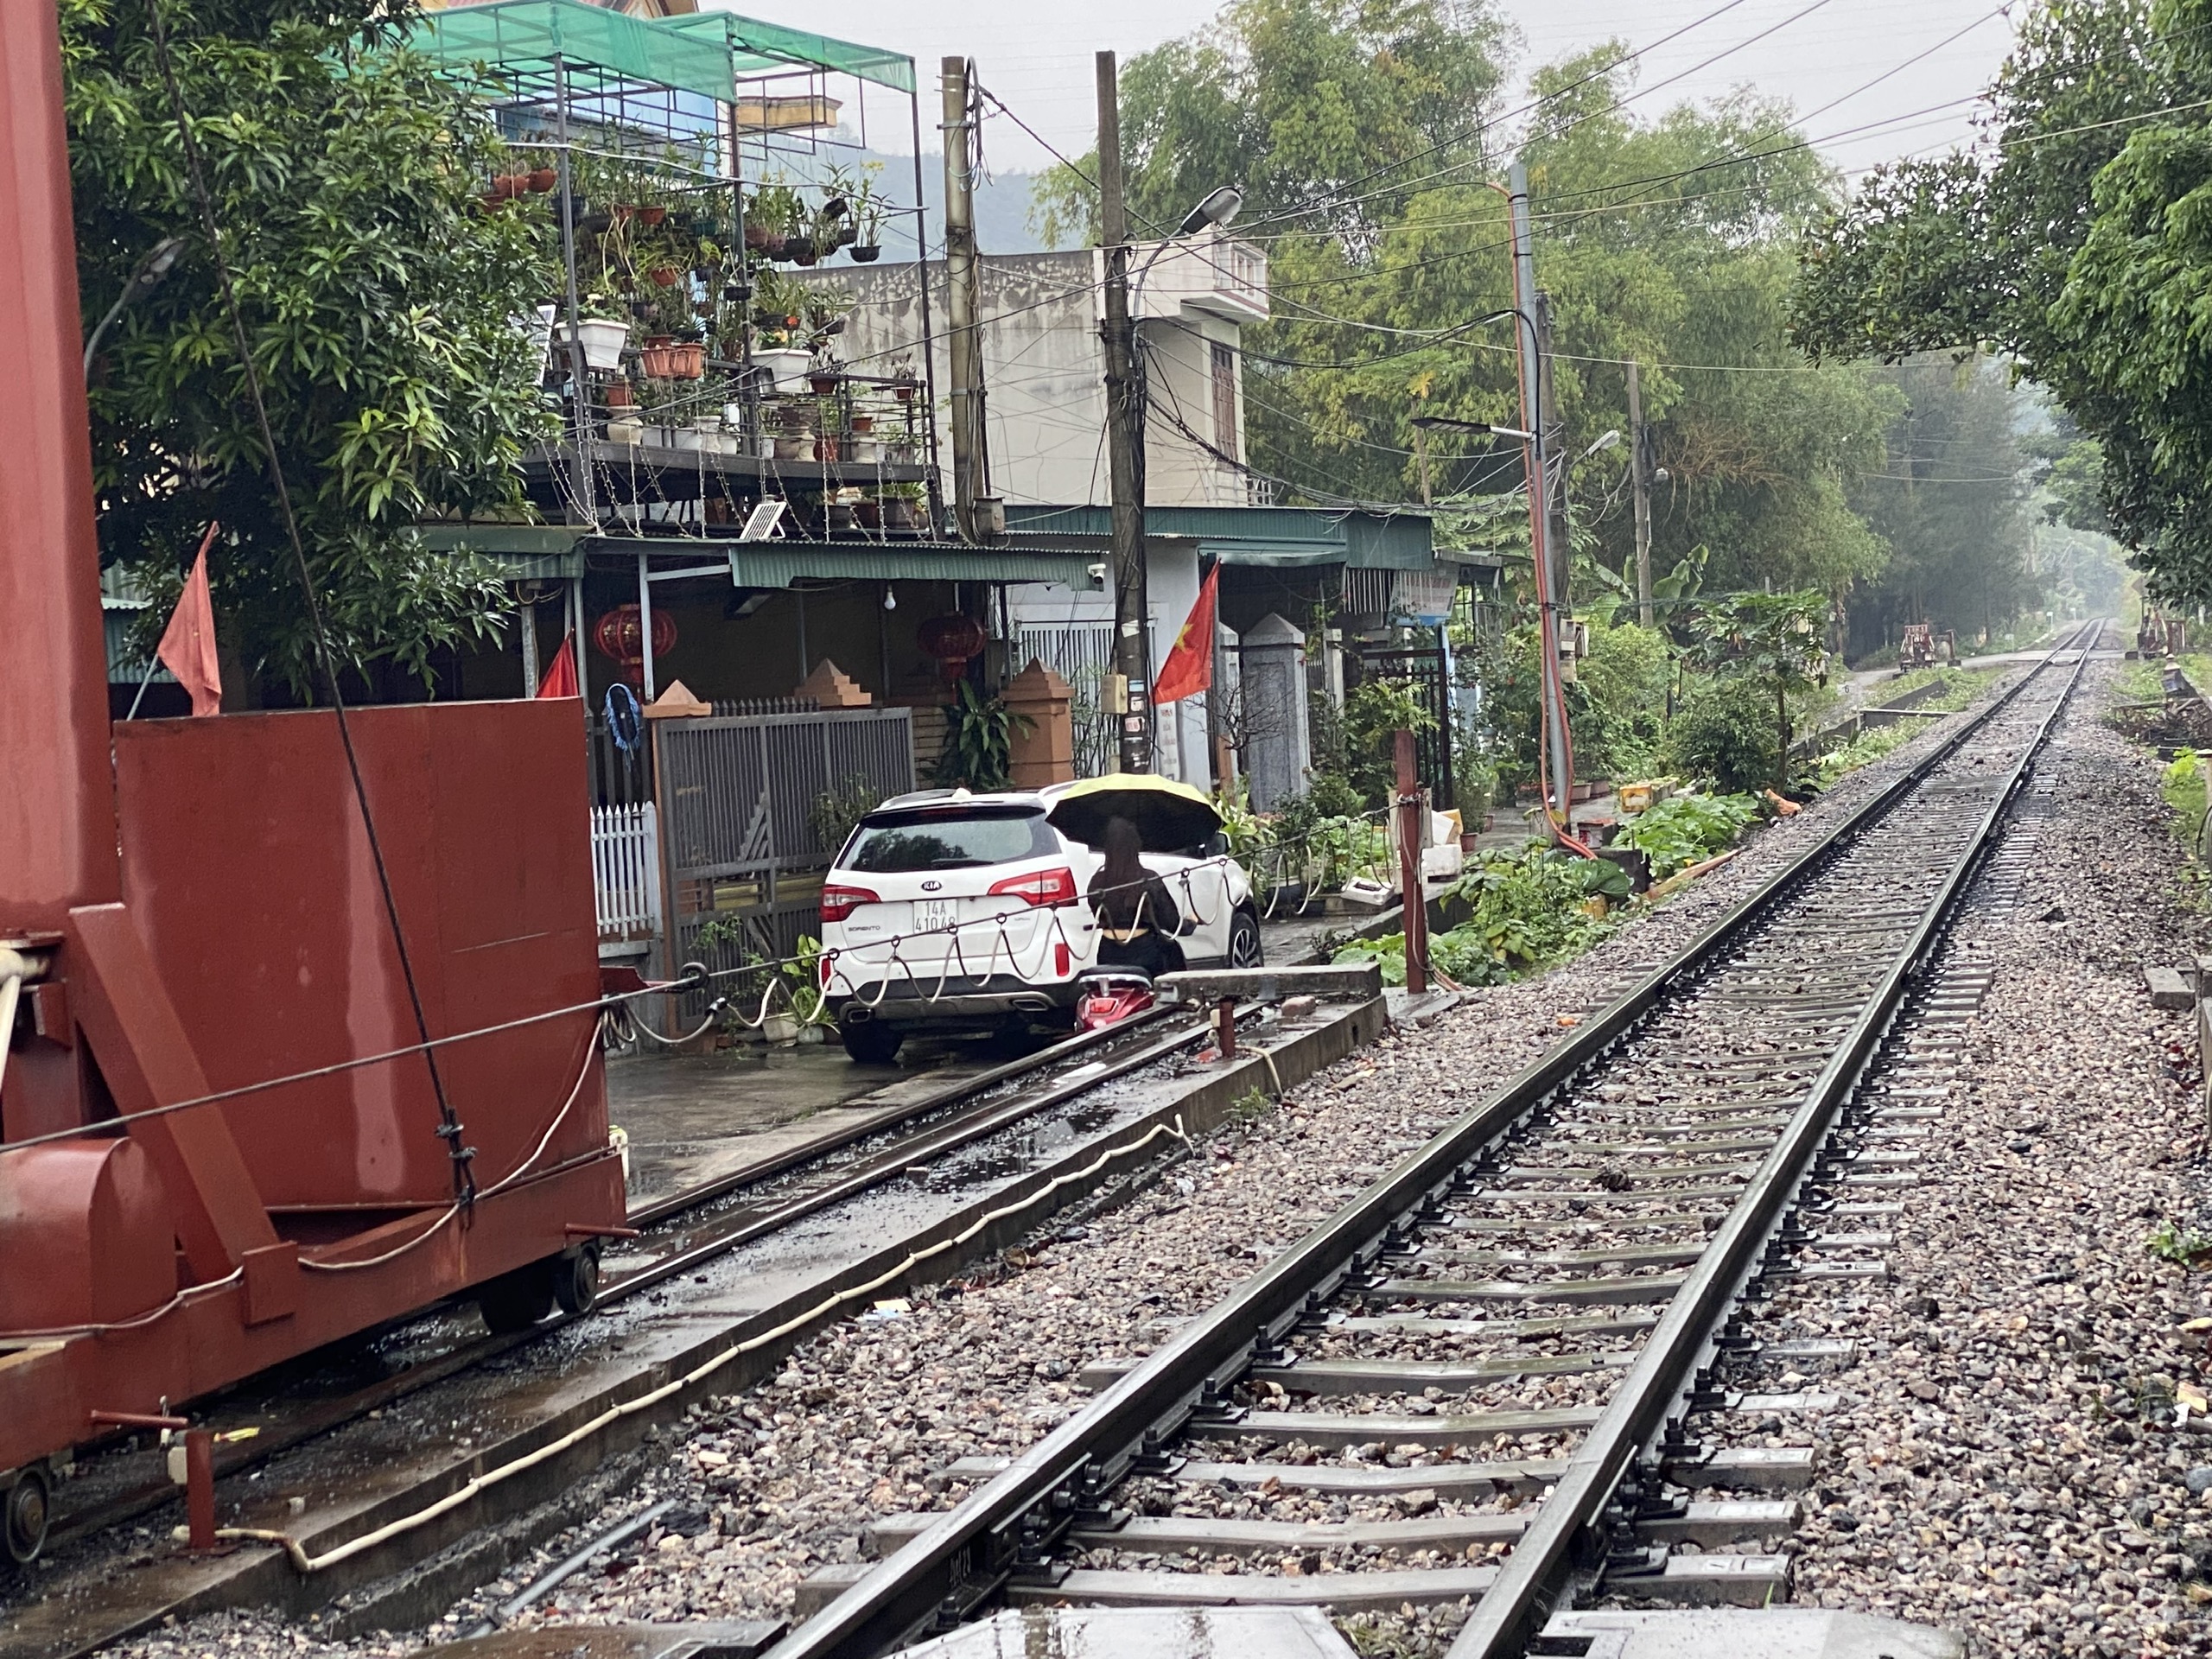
(1111, 995)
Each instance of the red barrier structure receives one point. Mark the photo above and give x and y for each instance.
(191, 907)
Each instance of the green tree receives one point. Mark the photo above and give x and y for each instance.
(1951, 504)
(2076, 241)
(1771, 641)
(378, 296)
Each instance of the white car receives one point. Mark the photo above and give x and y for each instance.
(951, 912)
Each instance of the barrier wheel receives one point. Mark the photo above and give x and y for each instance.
(575, 1279)
(26, 1510)
(516, 1301)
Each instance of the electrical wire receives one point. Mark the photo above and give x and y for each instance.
(449, 1126)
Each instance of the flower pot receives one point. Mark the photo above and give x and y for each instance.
(838, 517)
(799, 250)
(628, 429)
(655, 356)
(823, 385)
(865, 253)
(868, 515)
(542, 179)
(899, 513)
(862, 424)
(618, 395)
(779, 1028)
(865, 450)
(792, 448)
(776, 244)
(756, 238)
(651, 216)
(785, 366)
(664, 276)
(687, 360)
(602, 339)
(825, 448)
(903, 392)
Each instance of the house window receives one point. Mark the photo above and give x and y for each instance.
(1224, 401)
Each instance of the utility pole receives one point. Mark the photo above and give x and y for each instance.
(1535, 420)
(1554, 431)
(963, 307)
(1639, 472)
(1124, 440)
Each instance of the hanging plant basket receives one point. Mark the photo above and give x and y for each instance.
(799, 250)
(649, 216)
(823, 385)
(665, 275)
(756, 238)
(865, 253)
(542, 179)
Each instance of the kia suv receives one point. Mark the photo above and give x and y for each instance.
(947, 912)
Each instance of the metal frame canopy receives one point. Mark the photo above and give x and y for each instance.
(705, 53)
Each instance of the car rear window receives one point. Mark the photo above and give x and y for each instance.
(890, 843)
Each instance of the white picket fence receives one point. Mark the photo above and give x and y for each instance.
(625, 870)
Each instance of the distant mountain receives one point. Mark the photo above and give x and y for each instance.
(1002, 206)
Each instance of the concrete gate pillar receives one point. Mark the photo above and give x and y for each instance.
(1044, 753)
(1271, 660)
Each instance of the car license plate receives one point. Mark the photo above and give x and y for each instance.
(933, 914)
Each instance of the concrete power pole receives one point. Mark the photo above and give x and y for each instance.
(1546, 559)
(1639, 472)
(1124, 440)
(962, 285)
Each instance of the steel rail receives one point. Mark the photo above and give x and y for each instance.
(909, 1145)
(1004, 1527)
(1510, 1612)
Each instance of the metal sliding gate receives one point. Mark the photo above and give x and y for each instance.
(1423, 672)
(751, 807)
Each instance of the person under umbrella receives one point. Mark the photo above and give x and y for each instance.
(1138, 918)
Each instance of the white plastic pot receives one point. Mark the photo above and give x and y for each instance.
(603, 339)
(787, 366)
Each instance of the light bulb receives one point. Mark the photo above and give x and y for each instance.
(890, 599)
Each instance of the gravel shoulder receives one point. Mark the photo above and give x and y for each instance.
(861, 1422)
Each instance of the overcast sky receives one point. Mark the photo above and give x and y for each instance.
(1036, 55)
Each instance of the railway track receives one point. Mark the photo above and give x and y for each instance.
(1560, 1270)
(676, 1234)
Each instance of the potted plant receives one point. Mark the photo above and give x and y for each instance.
(899, 502)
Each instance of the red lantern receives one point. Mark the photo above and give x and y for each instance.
(952, 639)
(620, 634)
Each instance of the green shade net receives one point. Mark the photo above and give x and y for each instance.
(754, 46)
(704, 52)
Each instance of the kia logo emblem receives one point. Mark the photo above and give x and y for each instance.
(931, 886)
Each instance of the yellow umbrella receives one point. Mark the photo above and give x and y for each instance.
(1170, 816)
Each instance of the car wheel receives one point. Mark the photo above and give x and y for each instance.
(1244, 948)
(870, 1043)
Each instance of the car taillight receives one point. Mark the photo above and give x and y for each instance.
(1040, 888)
(838, 903)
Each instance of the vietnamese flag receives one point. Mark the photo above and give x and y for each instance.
(187, 647)
(560, 679)
(1189, 667)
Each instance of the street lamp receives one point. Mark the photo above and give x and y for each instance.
(144, 281)
(1220, 207)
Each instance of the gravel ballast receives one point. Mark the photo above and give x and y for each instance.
(860, 1422)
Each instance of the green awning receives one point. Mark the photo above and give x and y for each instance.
(525, 37)
(755, 45)
(523, 552)
(1259, 535)
(779, 564)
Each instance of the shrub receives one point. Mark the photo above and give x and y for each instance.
(1685, 829)
(1725, 732)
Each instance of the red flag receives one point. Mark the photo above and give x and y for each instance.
(1189, 667)
(187, 647)
(560, 679)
